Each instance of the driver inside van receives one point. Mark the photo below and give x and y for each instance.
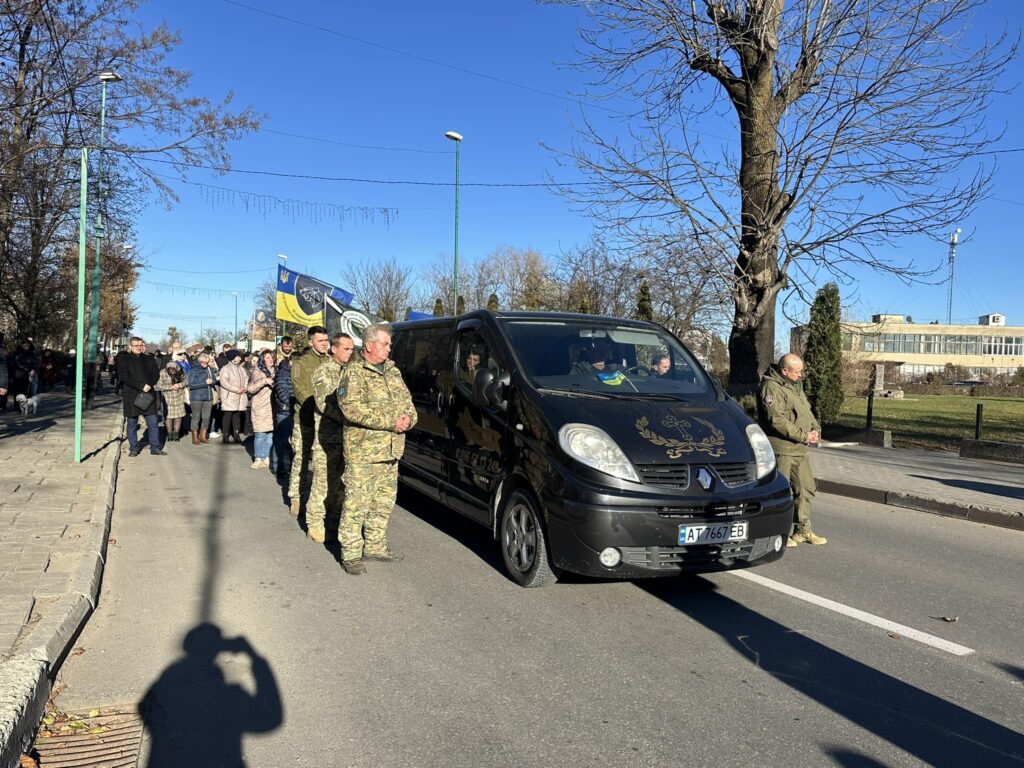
(467, 372)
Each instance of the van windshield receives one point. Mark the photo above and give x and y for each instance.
(606, 359)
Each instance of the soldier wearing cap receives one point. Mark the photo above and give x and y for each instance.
(785, 415)
(328, 461)
(378, 410)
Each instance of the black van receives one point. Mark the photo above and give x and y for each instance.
(583, 450)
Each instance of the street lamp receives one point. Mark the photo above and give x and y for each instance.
(457, 138)
(234, 331)
(953, 238)
(106, 76)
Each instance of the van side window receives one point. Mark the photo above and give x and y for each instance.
(424, 360)
(473, 354)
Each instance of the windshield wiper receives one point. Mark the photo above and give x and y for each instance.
(574, 393)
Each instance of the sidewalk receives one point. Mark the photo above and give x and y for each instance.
(929, 481)
(54, 521)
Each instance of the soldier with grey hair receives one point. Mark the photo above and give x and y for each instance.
(378, 411)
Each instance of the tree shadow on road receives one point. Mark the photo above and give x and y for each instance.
(995, 489)
(922, 724)
(195, 716)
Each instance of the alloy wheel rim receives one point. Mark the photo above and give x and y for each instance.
(521, 538)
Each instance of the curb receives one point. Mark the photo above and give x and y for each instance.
(969, 512)
(25, 678)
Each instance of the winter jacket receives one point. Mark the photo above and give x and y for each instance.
(283, 394)
(3, 369)
(260, 391)
(135, 371)
(198, 389)
(371, 399)
(233, 377)
(784, 413)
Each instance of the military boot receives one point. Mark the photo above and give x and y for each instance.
(294, 508)
(385, 555)
(353, 567)
(810, 537)
(318, 535)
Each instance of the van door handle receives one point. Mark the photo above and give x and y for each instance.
(440, 401)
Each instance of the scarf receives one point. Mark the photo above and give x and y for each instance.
(262, 365)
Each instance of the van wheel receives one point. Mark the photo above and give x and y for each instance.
(523, 545)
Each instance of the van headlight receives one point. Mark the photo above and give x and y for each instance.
(763, 453)
(592, 446)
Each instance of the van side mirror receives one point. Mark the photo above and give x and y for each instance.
(489, 390)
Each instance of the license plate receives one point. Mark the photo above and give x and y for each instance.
(712, 534)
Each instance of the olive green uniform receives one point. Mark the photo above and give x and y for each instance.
(371, 398)
(304, 427)
(328, 461)
(785, 415)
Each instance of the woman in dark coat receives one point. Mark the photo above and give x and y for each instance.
(138, 372)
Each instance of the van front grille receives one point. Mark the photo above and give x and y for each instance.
(717, 509)
(675, 476)
(736, 474)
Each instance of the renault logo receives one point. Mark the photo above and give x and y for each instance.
(705, 479)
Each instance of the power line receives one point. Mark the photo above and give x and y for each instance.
(417, 57)
(357, 146)
(312, 177)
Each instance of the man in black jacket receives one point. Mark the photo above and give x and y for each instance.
(138, 373)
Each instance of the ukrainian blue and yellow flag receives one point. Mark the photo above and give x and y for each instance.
(307, 301)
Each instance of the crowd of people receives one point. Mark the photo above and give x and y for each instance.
(328, 422)
(25, 371)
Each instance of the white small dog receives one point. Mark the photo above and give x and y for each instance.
(27, 404)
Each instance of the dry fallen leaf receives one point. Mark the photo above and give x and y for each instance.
(94, 713)
(950, 619)
(27, 761)
(894, 636)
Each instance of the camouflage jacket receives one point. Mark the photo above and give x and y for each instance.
(784, 413)
(303, 367)
(371, 398)
(325, 383)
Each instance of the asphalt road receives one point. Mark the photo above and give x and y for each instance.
(442, 661)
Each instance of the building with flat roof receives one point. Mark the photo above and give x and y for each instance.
(986, 350)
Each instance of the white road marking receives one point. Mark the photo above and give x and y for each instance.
(854, 613)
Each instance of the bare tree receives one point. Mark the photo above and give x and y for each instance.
(382, 287)
(53, 52)
(857, 122)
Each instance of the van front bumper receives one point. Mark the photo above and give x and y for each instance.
(645, 531)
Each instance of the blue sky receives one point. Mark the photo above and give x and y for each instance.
(319, 84)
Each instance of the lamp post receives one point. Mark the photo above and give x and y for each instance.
(952, 258)
(234, 330)
(457, 138)
(106, 76)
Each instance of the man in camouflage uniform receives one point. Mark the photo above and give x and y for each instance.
(304, 427)
(785, 415)
(378, 410)
(327, 456)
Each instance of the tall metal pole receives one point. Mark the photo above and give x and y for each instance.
(455, 264)
(234, 332)
(80, 357)
(952, 259)
(94, 307)
(457, 138)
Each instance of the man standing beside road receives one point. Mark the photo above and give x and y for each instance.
(284, 349)
(138, 373)
(304, 428)
(378, 410)
(327, 456)
(785, 415)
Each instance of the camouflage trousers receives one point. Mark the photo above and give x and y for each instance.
(797, 467)
(370, 491)
(302, 444)
(325, 491)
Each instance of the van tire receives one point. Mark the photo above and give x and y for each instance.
(523, 542)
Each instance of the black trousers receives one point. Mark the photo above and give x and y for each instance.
(231, 425)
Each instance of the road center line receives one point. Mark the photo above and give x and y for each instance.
(854, 613)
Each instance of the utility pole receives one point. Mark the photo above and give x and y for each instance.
(952, 258)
